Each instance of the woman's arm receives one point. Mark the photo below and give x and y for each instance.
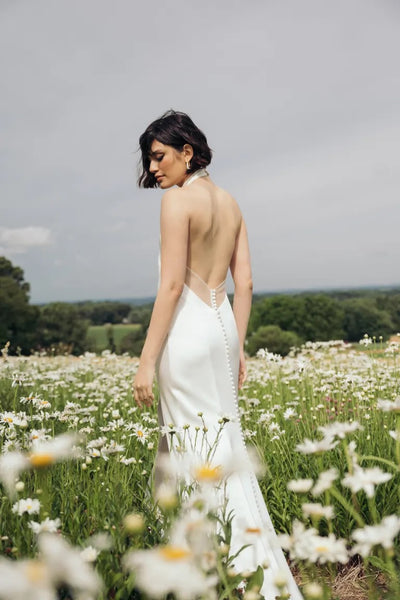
(241, 273)
(174, 225)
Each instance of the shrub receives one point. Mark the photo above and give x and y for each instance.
(133, 342)
(274, 339)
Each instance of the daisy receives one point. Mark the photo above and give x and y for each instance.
(383, 534)
(365, 479)
(324, 481)
(176, 570)
(327, 549)
(316, 447)
(25, 579)
(315, 509)
(300, 485)
(11, 465)
(388, 406)
(26, 505)
(89, 554)
(140, 433)
(339, 429)
(67, 567)
(50, 525)
(288, 413)
(36, 435)
(44, 453)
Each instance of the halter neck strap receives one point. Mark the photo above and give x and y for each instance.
(195, 175)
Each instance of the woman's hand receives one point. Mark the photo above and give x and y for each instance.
(242, 369)
(143, 384)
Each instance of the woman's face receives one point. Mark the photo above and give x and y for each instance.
(168, 164)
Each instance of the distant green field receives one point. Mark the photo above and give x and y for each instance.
(98, 339)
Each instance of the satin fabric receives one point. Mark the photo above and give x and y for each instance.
(197, 371)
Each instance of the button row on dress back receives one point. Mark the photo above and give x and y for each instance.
(252, 476)
(213, 299)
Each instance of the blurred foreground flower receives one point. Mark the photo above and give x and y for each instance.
(388, 406)
(192, 467)
(67, 566)
(365, 479)
(41, 454)
(316, 446)
(169, 569)
(306, 544)
(300, 486)
(382, 534)
(339, 430)
(39, 579)
(316, 509)
(325, 481)
(25, 579)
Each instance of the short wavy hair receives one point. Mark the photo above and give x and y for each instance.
(174, 129)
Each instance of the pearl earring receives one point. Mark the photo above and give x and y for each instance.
(187, 165)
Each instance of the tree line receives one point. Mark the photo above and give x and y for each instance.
(277, 321)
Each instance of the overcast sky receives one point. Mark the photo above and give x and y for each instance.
(299, 100)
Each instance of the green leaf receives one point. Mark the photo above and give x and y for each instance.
(380, 564)
(257, 578)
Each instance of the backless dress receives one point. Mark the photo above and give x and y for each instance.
(197, 371)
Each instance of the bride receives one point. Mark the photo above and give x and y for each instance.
(195, 340)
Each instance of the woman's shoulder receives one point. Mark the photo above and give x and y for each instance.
(177, 196)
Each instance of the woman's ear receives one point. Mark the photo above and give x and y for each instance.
(187, 152)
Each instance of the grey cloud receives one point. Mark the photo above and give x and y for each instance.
(300, 102)
(19, 239)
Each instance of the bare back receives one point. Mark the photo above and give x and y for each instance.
(214, 225)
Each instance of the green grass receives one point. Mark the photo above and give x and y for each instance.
(92, 396)
(98, 339)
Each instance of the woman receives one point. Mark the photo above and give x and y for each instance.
(195, 340)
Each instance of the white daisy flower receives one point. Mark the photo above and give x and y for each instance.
(66, 565)
(28, 505)
(315, 509)
(49, 525)
(316, 446)
(288, 413)
(176, 570)
(395, 435)
(365, 479)
(140, 433)
(388, 406)
(382, 534)
(324, 481)
(339, 430)
(300, 486)
(89, 554)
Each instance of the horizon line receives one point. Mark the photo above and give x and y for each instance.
(148, 299)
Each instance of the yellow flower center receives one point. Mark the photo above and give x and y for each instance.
(174, 553)
(253, 530)
(41, 460)
(35, 571)
(8, 419)
(208, 473)
(321, 549)
(139, 433)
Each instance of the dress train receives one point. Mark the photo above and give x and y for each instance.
(197, 371)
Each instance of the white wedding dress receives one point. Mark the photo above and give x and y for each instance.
(197, 371)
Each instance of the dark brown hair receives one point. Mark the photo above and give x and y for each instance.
(174, 129)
